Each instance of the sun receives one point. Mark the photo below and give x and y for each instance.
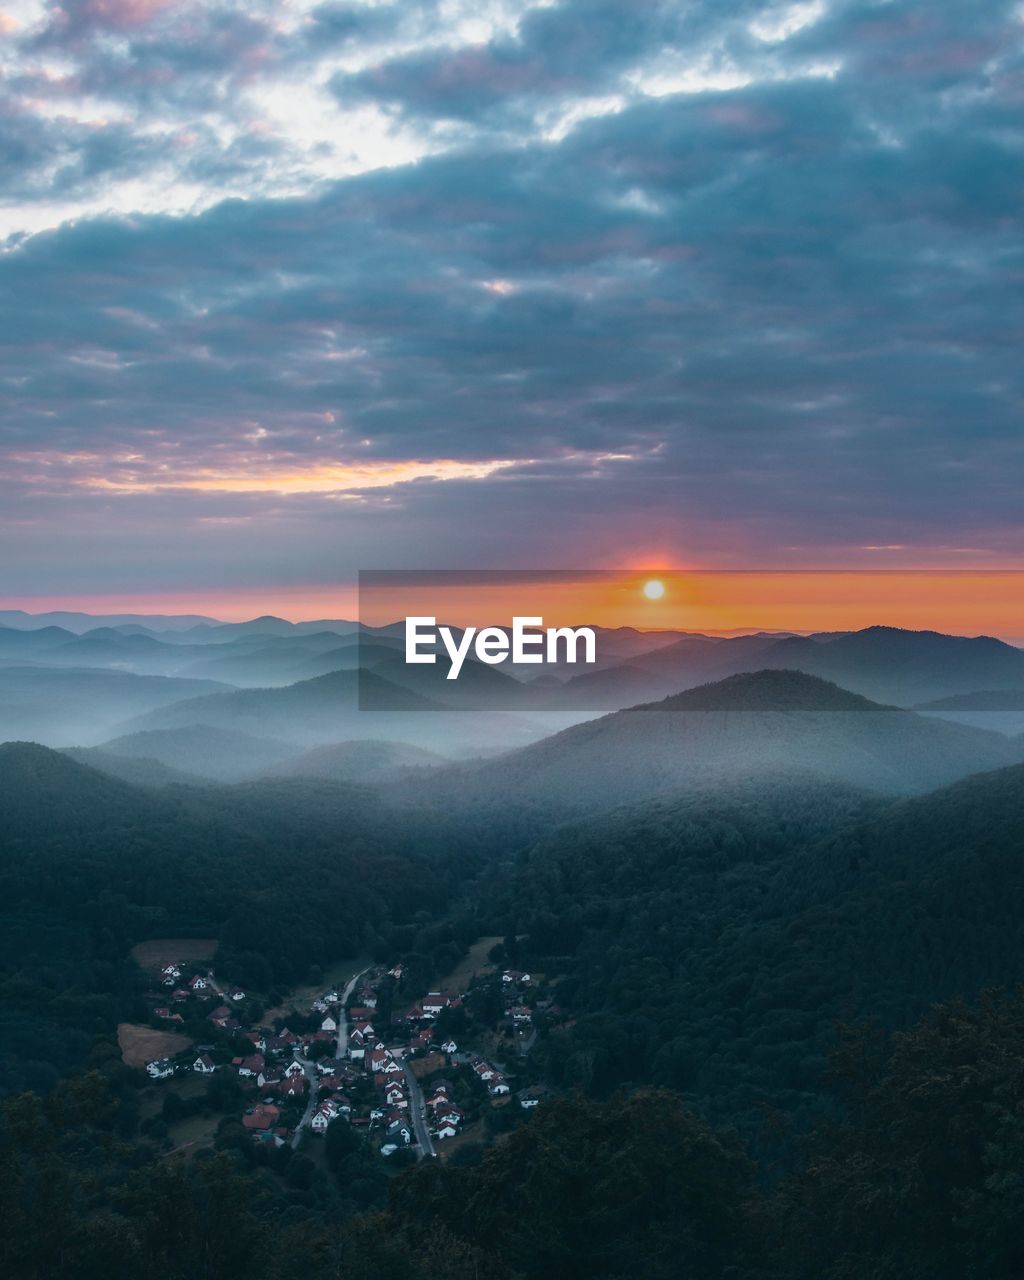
(654, 589)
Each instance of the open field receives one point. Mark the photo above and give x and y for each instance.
(152, 1097)
(140, 1045)
(474, 962)
(303, 996)
(474, 1133)
(189, 1136)
(160, 951)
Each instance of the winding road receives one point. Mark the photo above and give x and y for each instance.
(350, 986)
(309, 1071)
(309, 1068)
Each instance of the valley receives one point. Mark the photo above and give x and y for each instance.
(403, 966)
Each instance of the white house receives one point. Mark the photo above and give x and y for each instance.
(328, 1024)
(204, 1065)
(160, 1068)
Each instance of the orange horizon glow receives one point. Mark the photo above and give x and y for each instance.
(959, 602)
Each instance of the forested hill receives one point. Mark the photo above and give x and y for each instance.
(303, 872)
(746, 725)
(713, 943)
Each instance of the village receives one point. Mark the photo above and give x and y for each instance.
(407, 1076)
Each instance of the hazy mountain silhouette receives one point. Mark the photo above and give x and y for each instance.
(774, 721)
(365, 761)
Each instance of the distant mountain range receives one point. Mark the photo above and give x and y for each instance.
(316, 683)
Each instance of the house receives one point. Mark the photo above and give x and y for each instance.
(380, 1061)
(434, 1002)
(204, 1065)
(160, 1068)
(361, 1013)
(198, 983)
(365, 1029)
(513, 977)
(236, 994)
(446, 1131)
(396, 972)
(394, 1095)
(323, 1117)
(171, 971)
(328, 1066)
(398, 1130)
(292, 1085)
(449, 1046)
(449, 1115)
(263, 1116)
(498, 1087)
(328, 1024)
(220, 1015)
(484, 1070)
(251, 1066)
(367, 998)
(294, 1068)
(520, 1014)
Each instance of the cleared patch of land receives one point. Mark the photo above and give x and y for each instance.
(422, 1067)
(192, 1134)
(303, 996)
(161, 951)
(140, 1044)
(474, 962)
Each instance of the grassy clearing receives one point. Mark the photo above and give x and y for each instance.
(303, 996)
(473, 963)
(193, 1133)
(140, 1044)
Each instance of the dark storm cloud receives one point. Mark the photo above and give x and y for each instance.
(780, 320)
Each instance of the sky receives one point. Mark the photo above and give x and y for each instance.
(292, 290)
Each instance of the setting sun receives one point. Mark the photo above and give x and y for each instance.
(654, 589)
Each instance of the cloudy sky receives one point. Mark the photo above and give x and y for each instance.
(293, 289)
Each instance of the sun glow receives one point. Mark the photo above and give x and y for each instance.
(654, 590)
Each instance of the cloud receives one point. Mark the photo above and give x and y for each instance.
(776, 320)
